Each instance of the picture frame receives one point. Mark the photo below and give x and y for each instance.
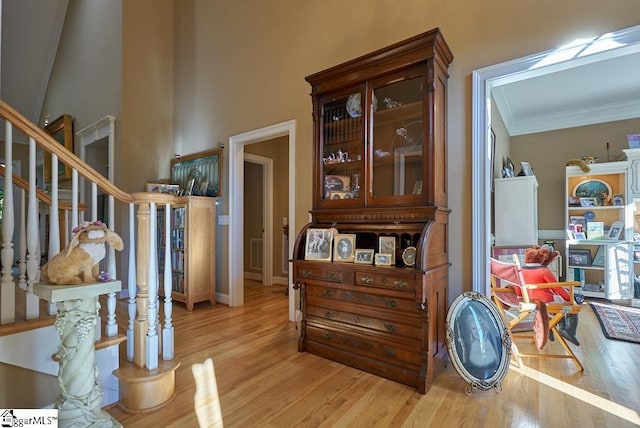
(526, 169)
(387, 245)
(318, 244)
(615, 231)
(61, 129)
(340, 183)
(382, 259)
(588, 202)
(598, 259)
(364, 256)
(579, 223)
(579, 257)
(618, 200)
(344, 247)
(595, 230)
(593, 188)
(473, 324)
(201, 167)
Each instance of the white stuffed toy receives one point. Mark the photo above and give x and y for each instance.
(78, 263)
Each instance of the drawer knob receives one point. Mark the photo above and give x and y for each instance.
(327, 293)
(366, 280)
(327, 336)
(400, 283)
(391, 303)
(332, 276)
(388, 352)
(327, 315)
(390, 328)
(306, 273)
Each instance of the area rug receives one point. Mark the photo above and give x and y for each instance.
(618, 322)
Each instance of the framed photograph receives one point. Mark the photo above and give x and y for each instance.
(318, 245)
(61, 130)
(615, 231)
(478, 341)
(387, 245)
(579, 257)
(383, 259)
(364, 256)
(344, 248)
(598, 259)
(636, 253)
(580, 236)
(573, 201)
(526, 168)
(339, 194)
(593, 188)
(618, 200)
(595, 230)
(337, 183)
(588, 202)
(189, 189)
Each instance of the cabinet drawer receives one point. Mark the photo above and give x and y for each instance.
(407, 330)
(345, 340)
(349, 295)
(320, 273)
(372, 279)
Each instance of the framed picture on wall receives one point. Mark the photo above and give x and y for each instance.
(61, 130)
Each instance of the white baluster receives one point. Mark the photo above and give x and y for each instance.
(151, 362)
(7, 286)
(131, 282)
(54, 220)
(167, 331)
(22, 243)
(33, 238)
(111, 329)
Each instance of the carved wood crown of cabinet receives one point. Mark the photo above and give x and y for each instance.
(379, 178)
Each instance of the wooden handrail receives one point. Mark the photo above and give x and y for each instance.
(49, 144)
(42, 195)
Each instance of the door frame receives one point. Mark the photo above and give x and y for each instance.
(236, 205)
(267, 214)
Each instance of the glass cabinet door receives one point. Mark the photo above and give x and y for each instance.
(341, 147)
(397, 138)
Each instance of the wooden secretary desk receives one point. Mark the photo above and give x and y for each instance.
(380, 187)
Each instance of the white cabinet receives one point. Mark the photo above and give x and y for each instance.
(601, 259)
(516, 211)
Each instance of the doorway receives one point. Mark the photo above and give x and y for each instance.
(258, 218)
(236, 205)
(483, 80)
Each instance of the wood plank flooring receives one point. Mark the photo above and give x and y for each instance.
(264, 381)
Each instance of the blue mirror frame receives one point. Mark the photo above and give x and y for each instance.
(478, 341)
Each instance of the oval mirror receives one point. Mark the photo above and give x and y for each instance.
(478, 341)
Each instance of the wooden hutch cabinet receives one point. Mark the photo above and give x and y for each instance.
(379, 172)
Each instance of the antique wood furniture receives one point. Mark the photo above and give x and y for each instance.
(379, 181)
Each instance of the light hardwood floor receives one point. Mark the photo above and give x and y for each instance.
(264, 381)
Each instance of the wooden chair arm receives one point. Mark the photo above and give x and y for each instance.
(569, 284)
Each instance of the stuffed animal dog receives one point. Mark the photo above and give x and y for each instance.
(78, 263)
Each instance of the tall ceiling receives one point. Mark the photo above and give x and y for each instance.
(31, 31)
(594, 92)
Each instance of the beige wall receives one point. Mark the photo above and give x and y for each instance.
(211, 69)
(548, 152)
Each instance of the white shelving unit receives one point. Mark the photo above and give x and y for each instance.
(607, 186)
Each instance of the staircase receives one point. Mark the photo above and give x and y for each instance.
(28, 339)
